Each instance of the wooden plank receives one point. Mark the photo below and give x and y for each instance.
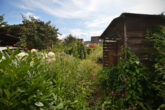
(136, 34)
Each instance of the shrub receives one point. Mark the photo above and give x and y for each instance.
(132, 85)
(126, 83)
(29, 81)
(2, 22)
(157, 37)
(37, 34)
(23, 84)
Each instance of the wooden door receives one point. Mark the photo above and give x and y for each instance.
(114, 53)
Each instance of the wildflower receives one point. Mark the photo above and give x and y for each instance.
(22, 54)
(51, 57)
(3, 57)
(23, 21)
(113, 93)
(33, 51)
(51, 54)
(42, 22)
(14, 45)
(137, 62)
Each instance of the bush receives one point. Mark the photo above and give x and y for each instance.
(23, 84)
(157, 37)
(73, 47)
(29, 81)
(132, 85)
(126, 83)
(37, 34)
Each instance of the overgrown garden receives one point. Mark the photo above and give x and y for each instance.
(66, 75)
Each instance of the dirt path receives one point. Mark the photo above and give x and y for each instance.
(97, 95)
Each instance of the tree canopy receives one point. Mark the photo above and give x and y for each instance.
(37, 34)
(2, 22)
(70, 40)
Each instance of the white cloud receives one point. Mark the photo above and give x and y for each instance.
(150, 7)
(101, 22)
(62, 36)
(96, 14)
(64, 9)
(78, 32)
(93, 8)
(30, 14)
(85, 34)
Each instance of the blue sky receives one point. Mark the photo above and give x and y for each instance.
(82, 18)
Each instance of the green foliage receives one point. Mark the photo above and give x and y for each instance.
(74, 47)
(96, 53)
(2, 22)
(37, 34)
(126, 83)
(23, 84)
(58, 47)
(15, 30)
(32, 82)
(70, 40)
(157, 37)
(79, 50)
(132, 85)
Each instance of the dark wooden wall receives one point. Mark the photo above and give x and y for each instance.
(129, 30)
(136, 31)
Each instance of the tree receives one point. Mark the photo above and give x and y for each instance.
(70, 40)
(74, 47)
(2, 22)
(37, 34)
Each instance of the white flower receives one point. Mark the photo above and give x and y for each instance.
(51, 54)
(51, 57)
(22, 54)
(137, 62)
(34, 51)
(3, 57)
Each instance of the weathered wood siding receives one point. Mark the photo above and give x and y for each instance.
(129, 30)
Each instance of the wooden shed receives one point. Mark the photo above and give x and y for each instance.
(128, 30)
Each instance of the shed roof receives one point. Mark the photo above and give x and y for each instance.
(124, 16)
